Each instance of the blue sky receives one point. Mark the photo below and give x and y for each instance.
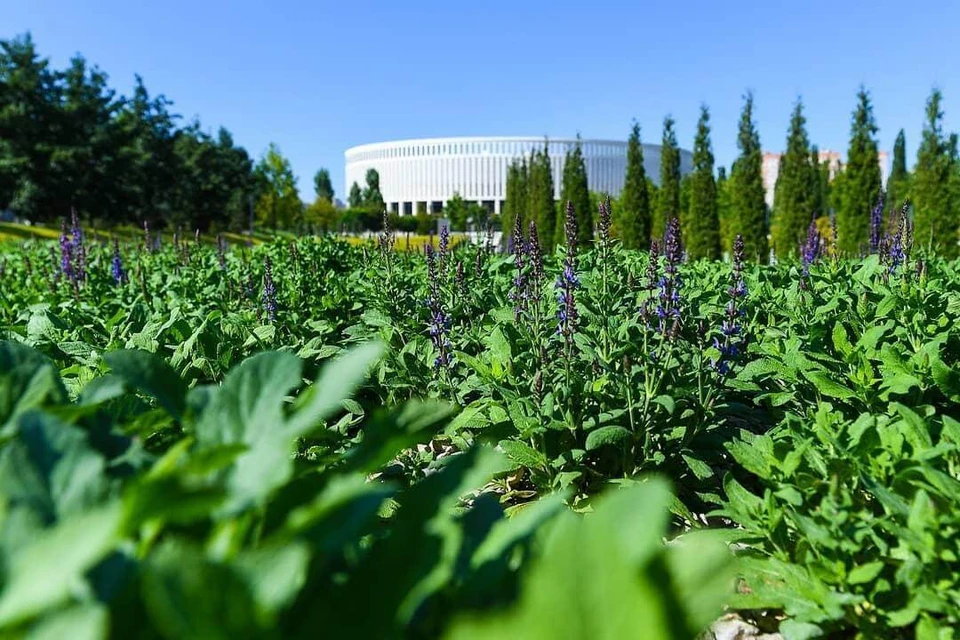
(318, 76)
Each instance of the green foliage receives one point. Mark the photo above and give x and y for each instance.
(574, 189)
(247, 503)
(372, 198)
(746, 189)
(725, 211)
(540, 193)
(279, 205)
(862, 179)
(631, 222)
(668, 200)
(272, 516)
(322, 185)
(68, 141)
(898, 183)
(936, 220)
(699, 221)
(795, 194)
(355, 199)
(321, 215)
(515, 204)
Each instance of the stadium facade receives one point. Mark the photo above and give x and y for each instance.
(422, 175)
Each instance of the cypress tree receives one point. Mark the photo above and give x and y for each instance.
(934, 220)
(747, 195)
(574, 189)
(668, 202)
(515, 203)
(540, 197)
(795, 193)
(632, 222)
(863, 180)
(700, 222)
(898, 184)
(820, 203)
(725, 211)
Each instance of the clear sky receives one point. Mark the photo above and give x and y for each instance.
(317, 77)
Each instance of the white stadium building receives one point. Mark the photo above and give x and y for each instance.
(421, 175)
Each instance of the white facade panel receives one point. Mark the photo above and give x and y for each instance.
(433, 170)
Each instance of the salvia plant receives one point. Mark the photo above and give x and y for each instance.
(818, 433)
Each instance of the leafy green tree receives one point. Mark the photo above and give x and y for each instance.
(457, 210)
(631, 222)
(898, 183)
(795, 193)
(515, 204)
(574, 189)
(29, 99)
(668, 204)
(540, 197)
(747, 194)
(279, 205)
(322, 185)
(372, 198)
(700, 223)
(863, 181)
(935, 219)
(355, 199)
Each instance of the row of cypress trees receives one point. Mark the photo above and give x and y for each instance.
(714, 208)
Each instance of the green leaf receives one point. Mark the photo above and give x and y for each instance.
(827, 386)
(81, 622)
(189, 596)
(865, 573)
(150, 374)
(28, 380)
(840, 340)
(338, 380)
(523, 454)
(794, 630)
(610, 435)
(51, 469)
(46, 572)
(699, 468)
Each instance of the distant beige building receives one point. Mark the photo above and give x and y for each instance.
(771, 169)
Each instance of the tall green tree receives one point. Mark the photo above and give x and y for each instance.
(935, 217)
(279, 205)
(863, 180)
(747, 194)
(668, 202)
(372, 198)
(700, 223)
(795, 193)
(355, 199)
(29, 101)
(631, 221)
(898, 183)
(540, 197)
(725, 211)
(322, 185)
(574, 189)
(515, 203)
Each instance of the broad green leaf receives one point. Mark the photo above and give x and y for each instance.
(610, 435)
(827, 386)
(60, 555)
(865, 572)
(28, 380)
(523, 454)
(81, 622)
(150, 374)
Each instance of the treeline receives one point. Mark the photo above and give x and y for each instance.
(70, 142)
(713, 206)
